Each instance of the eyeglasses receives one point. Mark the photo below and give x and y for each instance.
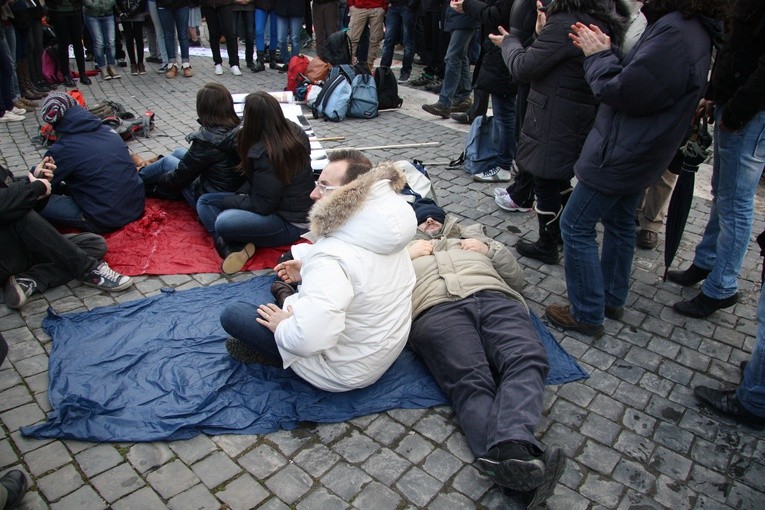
(323, 188)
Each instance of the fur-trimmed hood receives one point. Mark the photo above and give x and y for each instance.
(367, 212)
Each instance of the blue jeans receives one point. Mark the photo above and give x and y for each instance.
(63, 210)
(596, 282)
(738, 163)
(101, 29)
(399, 20)
(294, 27)
(456, 85)
(260, 31)
(504, 127)
(175, 21)
(240, 226)
(152, 173)
(751, 392)
(154, 14)
(238, 319)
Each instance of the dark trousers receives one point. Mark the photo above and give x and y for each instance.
(244, 24)
(68, 28)
(325, 20)
(134, 41)
(487, 357)
(31, 247)
(221, 20)
(548, 193)
(522, 188)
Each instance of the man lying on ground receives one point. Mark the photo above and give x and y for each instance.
(473, 330)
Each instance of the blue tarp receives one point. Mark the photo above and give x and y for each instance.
(157, 369)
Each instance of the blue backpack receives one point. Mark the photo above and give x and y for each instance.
(363, 97)
(481, 151)
(333, 101)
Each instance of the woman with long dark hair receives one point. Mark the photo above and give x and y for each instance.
(211, 163)
(275, 154)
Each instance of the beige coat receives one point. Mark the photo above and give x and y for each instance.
(452, 273)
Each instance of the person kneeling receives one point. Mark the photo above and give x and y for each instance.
(473, 330)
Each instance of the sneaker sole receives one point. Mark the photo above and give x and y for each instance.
(520, 475)
(118, 288)
(511, 209)
(236, 261)
(492, 179)
(555, 464)
(14, 295)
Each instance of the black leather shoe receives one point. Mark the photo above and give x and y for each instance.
(703, 306)
(513, 465)
(15, 482)
(85, 80)
(726, 402)
(462, 117)
(690, 276)
(69, 82)
(555, 463)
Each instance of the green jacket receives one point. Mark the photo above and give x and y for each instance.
(98, 8)
(452, 273)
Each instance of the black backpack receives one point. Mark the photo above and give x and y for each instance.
(337, 49)
(387, 89)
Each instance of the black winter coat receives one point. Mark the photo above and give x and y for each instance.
(561, 106)
(647, 102)
(738, 77)
(265, 5)
(173, 4)
(18, 196)
(269, 195)
(210, 164)
(493, 75)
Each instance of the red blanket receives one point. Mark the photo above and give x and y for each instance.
(169, 239)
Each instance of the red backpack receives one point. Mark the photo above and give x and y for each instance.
(296, 71)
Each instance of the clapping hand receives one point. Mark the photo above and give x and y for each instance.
(590, 39)
(45, 169)
(289, 271)
(497, 39)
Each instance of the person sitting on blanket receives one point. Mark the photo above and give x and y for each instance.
(211, 162)
(33, 255)
(95, 185)
(350, 319)
(275, 159)
(472, 328)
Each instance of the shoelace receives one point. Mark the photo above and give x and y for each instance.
(108, 273)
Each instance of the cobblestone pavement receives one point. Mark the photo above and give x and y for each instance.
(634, 435)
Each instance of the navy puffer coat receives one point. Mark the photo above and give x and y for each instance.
(647, 102)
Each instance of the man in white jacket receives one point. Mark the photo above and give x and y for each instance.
(351, 317)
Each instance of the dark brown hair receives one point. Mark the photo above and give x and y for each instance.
(263, 122)
(215, 107)
(358, 163)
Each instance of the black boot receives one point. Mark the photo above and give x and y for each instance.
(234, 255)
(546, 247)
(273, 63)
(259, 64)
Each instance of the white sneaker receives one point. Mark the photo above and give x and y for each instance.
(18, 111)
(496, 174)
(499, 192)
(218, 69)
(506, 203)
(235, 71)
(11, 117)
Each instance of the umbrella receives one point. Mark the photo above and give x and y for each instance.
(686, 164)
